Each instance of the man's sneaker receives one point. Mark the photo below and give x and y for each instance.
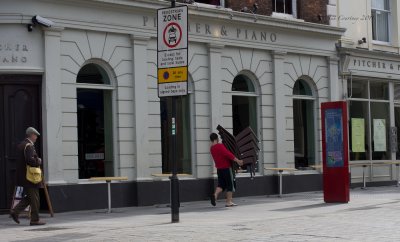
(14, 216)
(36, 223)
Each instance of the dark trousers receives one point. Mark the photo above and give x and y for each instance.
(30, 197)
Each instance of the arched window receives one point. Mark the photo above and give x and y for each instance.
(244, 104)
(304, 124)
(93, 74)
(95, 137)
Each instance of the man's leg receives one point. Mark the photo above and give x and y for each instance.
(230, 189)
(35, 203)
(229, 196)
(25, 201)
(218, 190)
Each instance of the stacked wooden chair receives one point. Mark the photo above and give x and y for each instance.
(245, 146)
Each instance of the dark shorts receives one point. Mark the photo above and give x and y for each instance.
(226, 181)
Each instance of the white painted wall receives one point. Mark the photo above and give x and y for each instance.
(356, 17)
(123, 41)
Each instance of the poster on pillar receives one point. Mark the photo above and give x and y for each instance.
(172, 51)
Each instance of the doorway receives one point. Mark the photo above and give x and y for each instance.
(20, 108)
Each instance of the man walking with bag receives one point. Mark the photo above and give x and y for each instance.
(28, 167)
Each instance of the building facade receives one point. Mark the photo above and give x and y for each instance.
(89, 84)
(369, 73)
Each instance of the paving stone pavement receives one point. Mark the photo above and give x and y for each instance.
(371, 215)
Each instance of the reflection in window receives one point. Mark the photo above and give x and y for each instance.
(358, 89)
(359, 110)
(379, 90)
(304, 127)
(244, 113)
(282, 6)
(94, 106)
(242, 83)
(244, 105)
(380, 138)
(380, 20)
(183, 135)
(372, 106)
(302, 88)
(92, 74)
(213, 2)
(397, 124)
(397, 92)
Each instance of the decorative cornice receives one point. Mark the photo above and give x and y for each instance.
(217, 14)
(279, 54)
(140, 39)
(215, 48)
(369, 53)
(53, 31)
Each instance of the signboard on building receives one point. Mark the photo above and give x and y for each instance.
(172, 51)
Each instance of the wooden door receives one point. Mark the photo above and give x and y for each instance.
(20, 108)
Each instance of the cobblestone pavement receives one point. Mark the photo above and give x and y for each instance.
(371, 215)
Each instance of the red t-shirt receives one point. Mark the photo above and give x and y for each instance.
(222, 157)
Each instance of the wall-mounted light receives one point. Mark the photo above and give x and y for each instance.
(38, 20)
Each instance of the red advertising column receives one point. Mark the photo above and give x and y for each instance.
(335, 152)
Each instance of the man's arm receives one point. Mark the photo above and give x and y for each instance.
(230, 156)
(239, 162)
(31, 157)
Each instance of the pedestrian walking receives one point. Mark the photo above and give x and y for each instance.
(28, 158)
(223, 159)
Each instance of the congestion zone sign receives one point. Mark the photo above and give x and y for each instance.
(172, 51)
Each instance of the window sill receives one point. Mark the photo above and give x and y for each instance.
(206, 5)
(285, 16)
(306, 172)
(381, 43)
(247, 174)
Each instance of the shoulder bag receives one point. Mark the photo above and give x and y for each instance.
(33, 174)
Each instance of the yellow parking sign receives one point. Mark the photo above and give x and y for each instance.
(176, 74)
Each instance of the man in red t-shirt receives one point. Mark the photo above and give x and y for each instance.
(223, 162)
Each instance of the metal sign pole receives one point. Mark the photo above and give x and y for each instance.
(174, 177)
(172, 74)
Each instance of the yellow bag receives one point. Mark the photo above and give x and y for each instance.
(33, 174)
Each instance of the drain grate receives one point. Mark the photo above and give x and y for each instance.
(48, 229)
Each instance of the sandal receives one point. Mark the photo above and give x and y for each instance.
(231, 205)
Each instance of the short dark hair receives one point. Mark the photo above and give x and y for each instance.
(213, 137)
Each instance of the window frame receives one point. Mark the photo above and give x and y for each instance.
(368, 100)
(293, 14)
(389, 23)
(256, 94)
(111, 87)
(313, 97)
